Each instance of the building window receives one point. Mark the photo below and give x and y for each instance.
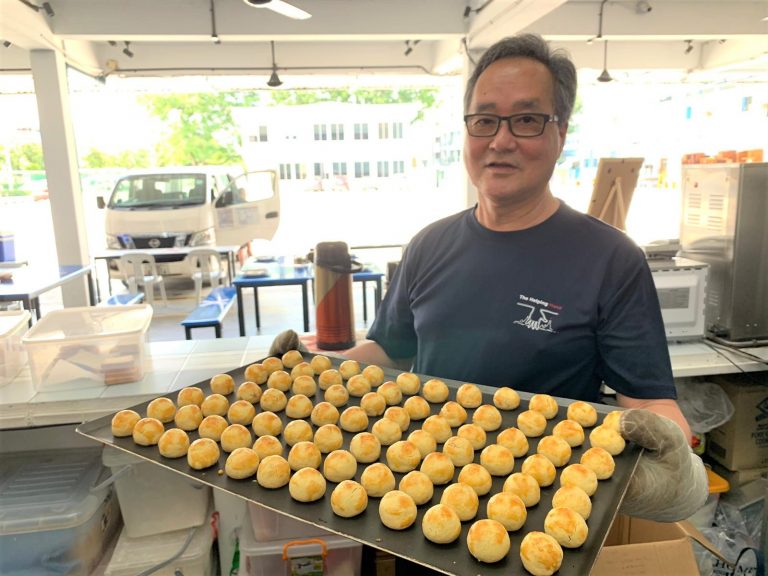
(382, 168)
(362, 169)
(300, 171)
(260, 135)
(398, 167)
(339, 168)
(285, 171)
(321, 132)
(397, 130)
(383, 130)
(337, 131)
(361, 131)
(318, 170)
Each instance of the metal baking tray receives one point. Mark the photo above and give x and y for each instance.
(411, 544)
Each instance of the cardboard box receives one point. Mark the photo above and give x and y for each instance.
(742, 442)
(738, 478)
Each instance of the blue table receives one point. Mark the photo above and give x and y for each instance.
(28, 282)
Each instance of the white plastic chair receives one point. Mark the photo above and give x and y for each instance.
(206, 265)
(140, 270)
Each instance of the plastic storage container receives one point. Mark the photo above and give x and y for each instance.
(269, 525)
(50, 519)
(104, 345)
(152, 499)
(343, 556)
(12, 353)
(134, 556)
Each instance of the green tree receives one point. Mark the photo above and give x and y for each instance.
(27, 157)
(127, 159)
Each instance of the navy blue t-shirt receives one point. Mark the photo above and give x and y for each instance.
(558, 308)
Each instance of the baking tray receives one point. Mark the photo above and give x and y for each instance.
(411, 544)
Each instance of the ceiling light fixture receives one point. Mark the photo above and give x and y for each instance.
(688, 47)
(46, 7)
(274, 80)
(127, 50)
(280, 7)
(643, 7)
(410, 45)
(7, 43)
(468, 10)
(214, 35)
(604, 75)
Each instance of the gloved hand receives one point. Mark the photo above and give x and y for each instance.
(670, 482)
(286, 340)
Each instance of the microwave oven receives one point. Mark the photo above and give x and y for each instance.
(681, 287)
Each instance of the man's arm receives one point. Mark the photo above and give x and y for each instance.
(371, 352)
(663, 407)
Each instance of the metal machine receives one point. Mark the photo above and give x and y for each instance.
(681, 287)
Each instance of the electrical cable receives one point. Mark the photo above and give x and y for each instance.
(719, 346)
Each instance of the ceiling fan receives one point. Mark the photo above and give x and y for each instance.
(280, 7)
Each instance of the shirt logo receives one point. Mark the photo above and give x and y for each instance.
(539, 314)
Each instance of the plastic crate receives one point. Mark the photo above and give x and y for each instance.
(267, 525)
(92, 344)
(13, 325)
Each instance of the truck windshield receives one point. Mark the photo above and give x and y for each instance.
(150, 191)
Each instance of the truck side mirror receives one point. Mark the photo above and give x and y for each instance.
(100, 202)
(225, 199)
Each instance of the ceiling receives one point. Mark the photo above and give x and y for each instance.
(656, 40)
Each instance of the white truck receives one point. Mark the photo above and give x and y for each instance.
(189, 207)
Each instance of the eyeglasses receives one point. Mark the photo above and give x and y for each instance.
(527, 125)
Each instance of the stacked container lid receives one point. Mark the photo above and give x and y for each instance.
(13, 357)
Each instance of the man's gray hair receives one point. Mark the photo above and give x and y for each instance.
(532, 46)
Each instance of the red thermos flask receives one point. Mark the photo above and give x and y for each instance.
(335, 318)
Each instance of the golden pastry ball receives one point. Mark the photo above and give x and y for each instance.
(280, 380)
(570, 431)
(556, 449)
(583, 413)
(377, 480)
(459, 450)
(476, 476)
(487, 417)
(173, 443)
(267, 446)
(267, 424)
(256, 373)
(328, 378)
(374, 374)
(291, 358)
(599, 461)
(272, 364)
(304, 385)
(188, 417)
(222, 384)
(391, 393)
(339, 465)
(469, 396)
(438, 427)
(337, 395)
(274, 472)
(273, 400)
(438, 467)
(488, 541)
(123, 423)
(607, 438)
(349, 368)
(454, 413)
(541, 468)
(463, 499)
(545, 404)
(472, 432)
(409, 383)
(387, 431)
(214, 404)
(566, 526)
(525, 486)
(241, 412)
(581, 476)
(365, 447)
(299, 406)
(353, 419)
(399, 416)
(162, 409)
(612, 419)
(435, 391)
(235, 436)
(403, 456)
(298, 431)
(418, 486)
(249, 391)
(505, 398)
(212, 426)
(424, 441)
(541, 554)
(304, 455)
(189, 395)
(416, 407)
(203, 453)
(241, 463)
(441, 524)
(531, 423)
(307, 485)
(508, 509)
(514, 440)
(373, 404)
(328, 438)
(573, 497)
(302, 369)
(358, 386)
(497, 459)
(349, 499)
(397, 510)
(320, 363)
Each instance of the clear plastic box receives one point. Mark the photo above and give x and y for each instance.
(12, 353)
(154, 500)
(270, 525)
(96, 344)
(51, 521)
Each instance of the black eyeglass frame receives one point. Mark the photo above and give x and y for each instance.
(499, 119)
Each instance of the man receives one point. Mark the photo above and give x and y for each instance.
(523, 291)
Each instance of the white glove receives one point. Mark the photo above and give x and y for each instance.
(670, 482)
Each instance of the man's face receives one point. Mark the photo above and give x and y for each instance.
(505, 168)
